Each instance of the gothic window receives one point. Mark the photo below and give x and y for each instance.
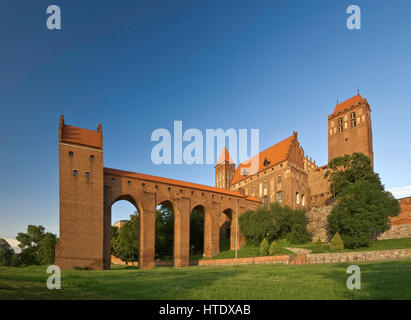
(253, 191)
(87, 175)
(265, 200)
(71, 154)
(75, 173)
(339, 121)
(279, 179)
(352, 115)
(92, 158)
(297, 198)
(280, 196)
(340, 129)
(302, 200)
(353, 123)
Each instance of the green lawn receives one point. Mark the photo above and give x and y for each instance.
(380, 280)
(403, 243)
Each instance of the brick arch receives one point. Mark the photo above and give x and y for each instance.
(128, 197)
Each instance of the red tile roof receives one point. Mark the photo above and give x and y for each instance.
(347, 104)
(81, 136)
(176, 183)
(224, 157)
(274, 155)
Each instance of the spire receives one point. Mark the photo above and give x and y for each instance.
(224, 157)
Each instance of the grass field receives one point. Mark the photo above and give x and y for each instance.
(254, 251)
(382, 280)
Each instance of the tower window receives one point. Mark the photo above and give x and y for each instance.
(75, 173)
(71, 154)
(297, 198)
(92, 158)
(340, 129)
(352, 115)
(279, 179)
(353, 124)
(87, 175)
(339, 121)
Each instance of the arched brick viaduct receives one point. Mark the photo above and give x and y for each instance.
(88, 191)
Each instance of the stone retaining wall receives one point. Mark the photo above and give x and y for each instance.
(284, 259)
(378, 255)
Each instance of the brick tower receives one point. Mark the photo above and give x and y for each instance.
(224, 170)
(349, 129)
(81, 197)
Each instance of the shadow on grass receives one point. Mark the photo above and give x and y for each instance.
(385, 280)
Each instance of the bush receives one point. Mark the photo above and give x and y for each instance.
(336, 243)
(264, 247)
(274, 222)
(318, 245)
(273, 249)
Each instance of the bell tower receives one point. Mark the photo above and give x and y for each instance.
(349, 129)
(224, 170)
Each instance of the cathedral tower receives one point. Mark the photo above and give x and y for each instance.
(224, 170)
(349, 129)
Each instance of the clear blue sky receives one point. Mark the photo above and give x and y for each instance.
(136, 66)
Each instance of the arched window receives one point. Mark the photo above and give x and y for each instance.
(297, 198)
(302, 200)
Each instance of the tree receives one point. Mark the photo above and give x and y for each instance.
(264, 247)
(196, 231)
(31, 245)
(274, 222)
(363, 207)
(6, 253)
(46, 248)
(298, 224)
(125, 242)
(336, 243)
(273, 248)
(164, 232)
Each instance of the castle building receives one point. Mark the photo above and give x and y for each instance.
(284, 173)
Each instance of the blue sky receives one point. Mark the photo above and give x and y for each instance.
(136, 66)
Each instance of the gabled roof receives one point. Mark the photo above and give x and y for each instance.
(178, 183)
(266, 159)
(224, 157)
(347, 104)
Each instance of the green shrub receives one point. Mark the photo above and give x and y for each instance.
(264, 247)
(318, 245)
(273, 249)
(336, 243)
